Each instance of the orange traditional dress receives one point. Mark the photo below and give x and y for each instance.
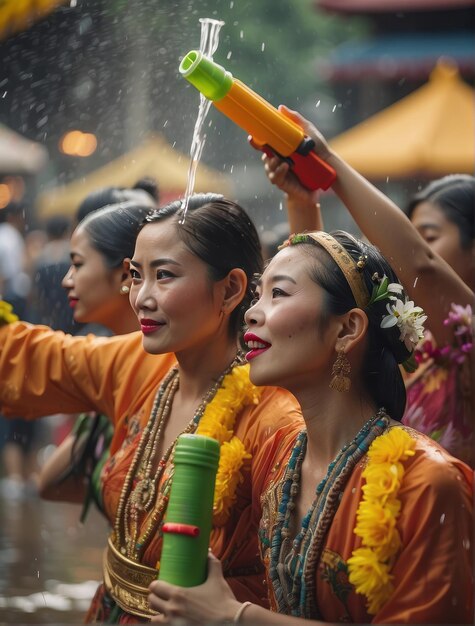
(388, 539)
(114, 376)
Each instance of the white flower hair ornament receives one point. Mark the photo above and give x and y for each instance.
(408, 318)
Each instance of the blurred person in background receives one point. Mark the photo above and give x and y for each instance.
(17, 446)
(99, 243)
(48, 298)
(96, 286)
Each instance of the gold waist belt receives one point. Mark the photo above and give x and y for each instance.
(127, 582)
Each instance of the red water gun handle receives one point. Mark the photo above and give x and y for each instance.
(309, 168)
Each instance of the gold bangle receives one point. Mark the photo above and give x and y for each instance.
(240, 611)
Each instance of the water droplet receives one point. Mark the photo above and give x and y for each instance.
(442, 518)
(228, 56)
(317, 104)
(466, 544)
(263, 47)
(241, 34)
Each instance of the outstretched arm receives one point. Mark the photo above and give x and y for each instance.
(427, 278)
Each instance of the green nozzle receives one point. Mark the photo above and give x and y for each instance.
(211, 79)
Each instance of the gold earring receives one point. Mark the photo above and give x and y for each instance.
(124, 289)
(340, 371)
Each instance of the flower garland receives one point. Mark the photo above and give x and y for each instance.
(6, 314)
(460, 318)
(370, 565)
(217, 422)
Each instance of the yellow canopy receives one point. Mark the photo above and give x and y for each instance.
(154, 157)
(431, 131)
(18, 15)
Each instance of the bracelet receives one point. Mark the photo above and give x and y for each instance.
(240, 611)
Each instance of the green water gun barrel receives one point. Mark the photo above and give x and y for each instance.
(188, 521)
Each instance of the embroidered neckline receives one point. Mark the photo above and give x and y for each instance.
(215, 418)
(292, 563)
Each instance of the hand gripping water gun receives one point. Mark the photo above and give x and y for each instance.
(269, 130)
(188, 522)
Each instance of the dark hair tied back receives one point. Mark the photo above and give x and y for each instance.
(385, 350)
(221, 234)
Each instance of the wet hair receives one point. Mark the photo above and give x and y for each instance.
(112, 230)
(384, 351)
(454, 195)
(149, 185)
(222, 235)
(114, 195)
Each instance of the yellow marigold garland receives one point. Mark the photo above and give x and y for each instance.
(370, 566)
(6, 313)
(217, 422)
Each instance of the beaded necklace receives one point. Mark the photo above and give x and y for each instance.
(293, 563)
(139, 492)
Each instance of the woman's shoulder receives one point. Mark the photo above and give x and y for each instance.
(433, 469)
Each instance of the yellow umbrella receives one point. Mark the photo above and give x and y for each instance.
(154, 157)
(18, 15)
(431, 131)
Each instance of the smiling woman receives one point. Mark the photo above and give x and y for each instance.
(191, 284)
(99, 277)
(358, 513)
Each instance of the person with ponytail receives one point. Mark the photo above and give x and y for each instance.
(363, 520)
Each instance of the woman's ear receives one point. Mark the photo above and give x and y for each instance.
(234, 289)
(125, 277)
(353, 330)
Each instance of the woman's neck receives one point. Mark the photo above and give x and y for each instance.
(201, 367)
(332, 419)
(124, 322)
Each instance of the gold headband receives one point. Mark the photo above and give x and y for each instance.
(346, 263)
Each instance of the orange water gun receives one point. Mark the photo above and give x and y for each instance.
(268, 129)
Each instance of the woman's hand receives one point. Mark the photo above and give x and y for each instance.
(321, 147)
(302, 204)
(195, 604)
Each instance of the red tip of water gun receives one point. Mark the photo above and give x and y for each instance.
(312, 171)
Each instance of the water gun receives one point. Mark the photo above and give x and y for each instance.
(268, 129)
(188, 522)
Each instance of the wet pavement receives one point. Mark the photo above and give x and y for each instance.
(50, 564)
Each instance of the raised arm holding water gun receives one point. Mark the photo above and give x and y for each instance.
(433, 247)
(385, 225)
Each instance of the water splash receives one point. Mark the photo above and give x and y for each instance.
(208, 45)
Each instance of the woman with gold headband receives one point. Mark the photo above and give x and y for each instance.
(433, 248)
(191, 283)
(362, 520)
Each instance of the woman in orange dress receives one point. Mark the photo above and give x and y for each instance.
(363, 520)
(191, 283)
